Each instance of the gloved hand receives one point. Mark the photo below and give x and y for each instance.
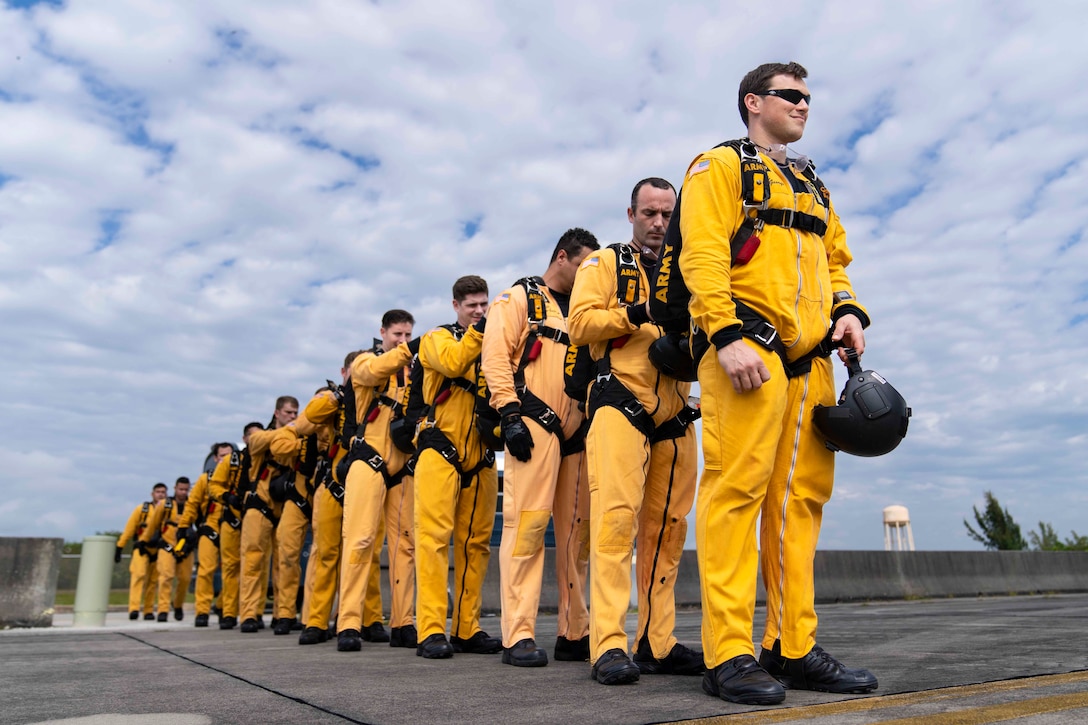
(413, 345)
(519, 441)
(480, 325)
(117, 555)
(233, 500)
(183, 534)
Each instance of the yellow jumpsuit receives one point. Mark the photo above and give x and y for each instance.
(368, 502)
(639, 491)
(164, 521)
(257, 528)
(444, 508)
(287, 446)
(761, 453)
(226, 478)
(326, 413)
(204, 508)
(143, 574)
(548, 485)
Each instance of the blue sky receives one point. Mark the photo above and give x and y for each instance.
(204, 207)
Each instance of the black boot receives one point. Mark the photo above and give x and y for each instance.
(313, 635)
(815, 671)
(283, 625)
(742, 680)
(349, 641)
(201, 620)
(375, 633)
(679, 661)
(614, 667)
(435, 647)
(525, 653)
(571, 650)
(478, 644)
(403, 636)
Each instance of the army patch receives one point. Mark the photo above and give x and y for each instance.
(590, 262)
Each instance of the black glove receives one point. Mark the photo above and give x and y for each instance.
(117, 555)
(519, 441)
(183, 534)
(413, 345)
(480, 325)
(637, 314)
(233, 500)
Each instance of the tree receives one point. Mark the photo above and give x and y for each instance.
(998, 530)
(1047, 540)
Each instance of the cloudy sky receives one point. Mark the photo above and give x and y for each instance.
(205, 205)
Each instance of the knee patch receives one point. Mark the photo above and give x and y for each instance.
(677, 534)
(617, 532)
(531, 527)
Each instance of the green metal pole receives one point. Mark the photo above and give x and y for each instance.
(93, 585)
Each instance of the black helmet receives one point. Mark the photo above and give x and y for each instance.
(671, 354)
(871, 417)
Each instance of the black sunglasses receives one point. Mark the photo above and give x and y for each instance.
(789, 95)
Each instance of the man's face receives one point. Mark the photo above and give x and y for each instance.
(471, 309)
(222, 452)
(568, 267)
(395, 334)
(158, 494)
(181, 492)
(650, 217)
(780, 120)
(286, 414)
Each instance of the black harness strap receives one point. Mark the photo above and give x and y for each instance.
(754, 327)
(435, 440)
(253, 501)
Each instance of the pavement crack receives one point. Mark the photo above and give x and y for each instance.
(271, 690)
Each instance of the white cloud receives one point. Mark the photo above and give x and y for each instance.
(204, 207)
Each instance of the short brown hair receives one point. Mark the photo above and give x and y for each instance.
(286, 400)
(759, 80)
(468, 285)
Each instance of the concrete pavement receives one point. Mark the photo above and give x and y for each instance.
(942, 660)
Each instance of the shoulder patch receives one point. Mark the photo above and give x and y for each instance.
(504, 297)
(699, 167)
(591, 261)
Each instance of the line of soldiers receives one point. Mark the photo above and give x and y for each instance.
(370, 458)
(598, 439)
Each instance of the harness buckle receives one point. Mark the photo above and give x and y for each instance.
(548, 417)
(604, 377)
(787, 218)
(766, 335)
(375, 461)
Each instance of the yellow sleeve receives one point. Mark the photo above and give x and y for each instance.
(710, 214)
(154, 521)
(284, 442)
(504, 340)
(449, 357)
(373, 370)
(260, 440)
(595, 314)
(219, 482)
(197, 502)
(130, 527)
(322, 408)
(838, 258)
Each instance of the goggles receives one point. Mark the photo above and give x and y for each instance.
(789, 95)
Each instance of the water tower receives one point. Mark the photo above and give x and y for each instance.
(896, 524)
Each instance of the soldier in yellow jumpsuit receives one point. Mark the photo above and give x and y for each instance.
(378, 487)
(294, 445)
(230, 476)
(261, 513)
(161, 531)
(326, 411)
(143, 574)
(524, 354)
(641, 453)
(456, 483)
(204, 510)
(762, 453)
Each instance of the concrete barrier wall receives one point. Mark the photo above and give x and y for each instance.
(840, 575)
(843, 576)
(28, 581)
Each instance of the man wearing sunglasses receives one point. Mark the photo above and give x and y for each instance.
(767, 302)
